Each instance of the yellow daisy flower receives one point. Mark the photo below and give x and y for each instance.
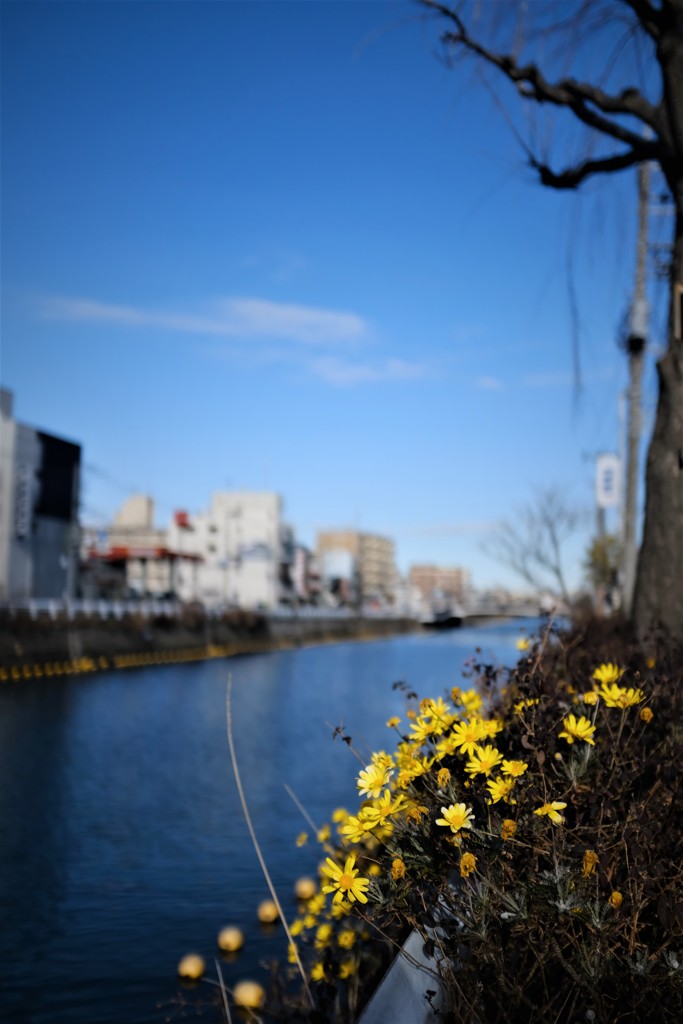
(483, 761)
(500, 789)
(551, 811)
(608, 673)
(455, 817)
(343, 882)
(467, 735)
(577, 729)
(514, 768)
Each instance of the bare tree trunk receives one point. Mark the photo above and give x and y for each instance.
(659, 583)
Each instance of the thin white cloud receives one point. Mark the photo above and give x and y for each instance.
(490, 383)
(230, 317)
(342, 373)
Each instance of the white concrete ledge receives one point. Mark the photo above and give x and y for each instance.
(400, 996)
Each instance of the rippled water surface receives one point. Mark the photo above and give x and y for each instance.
(122, 843)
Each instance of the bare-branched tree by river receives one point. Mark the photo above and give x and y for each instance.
(552, 55)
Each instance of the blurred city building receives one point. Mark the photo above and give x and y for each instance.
(39, 497)
(246, 552)
(439, 585)
(132, 556)
(360, 566)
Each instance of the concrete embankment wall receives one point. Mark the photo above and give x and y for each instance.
(24, 641)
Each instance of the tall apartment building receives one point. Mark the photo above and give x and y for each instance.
(436, 583)
(39, 493)
(245, 551)
(374, 560)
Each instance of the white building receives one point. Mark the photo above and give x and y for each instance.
(245, 551)
(39, 492)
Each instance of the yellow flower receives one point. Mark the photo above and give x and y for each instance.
(514, 768)
(398, 869)
(608, 673)
(468, 863)
(551, 810)
(590, 860)
(528, 703)
(590, 698)
(291, 952)
(302, 839)
(339, 815)
(316, 904)
(346, 938)
(412, 715)
(467, 735)
(347, 968)
(500, 789)
(422, 729)
(471, 701)
(577, 729)
(343, 882)
(382, 809)
(616, 899)
(446, 745)
(617, 697)
(355, 828)
(455, 817)
(443, 776)
(322, 936)
(341, 909)
(323, 834)
(508, 828)
(522, 644)
(415, 812)
(393, 722)
(483, 761)
(646, 715)
(296, 927)
(373, 779)
(490, 727)
(318, 972)
(374, 870)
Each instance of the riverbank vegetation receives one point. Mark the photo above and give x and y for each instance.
(526, 824)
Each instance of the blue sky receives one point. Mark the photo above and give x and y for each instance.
(282, 246)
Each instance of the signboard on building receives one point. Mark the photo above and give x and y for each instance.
(607, 480)
(23, 511)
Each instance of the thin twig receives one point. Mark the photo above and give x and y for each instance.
(226, 1005)
(312, 825)
(247, 818)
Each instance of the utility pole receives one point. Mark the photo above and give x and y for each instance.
(635, 347)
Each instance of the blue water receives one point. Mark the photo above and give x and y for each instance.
(122, 842)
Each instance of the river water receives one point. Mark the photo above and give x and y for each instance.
(122, 842)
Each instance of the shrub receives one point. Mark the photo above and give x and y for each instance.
(529, 830)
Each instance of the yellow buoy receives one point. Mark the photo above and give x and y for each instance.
(249, 994)
(267, 912)
(191, 967)
(305, 888)
(230, 939)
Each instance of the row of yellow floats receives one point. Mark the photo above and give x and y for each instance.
(80, 666)
(247, 994)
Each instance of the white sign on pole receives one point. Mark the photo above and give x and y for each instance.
(607, 480)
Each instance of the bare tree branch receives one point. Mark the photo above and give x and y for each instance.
(532, 544)
(573, 176)
(589, 103)
(648, 16)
